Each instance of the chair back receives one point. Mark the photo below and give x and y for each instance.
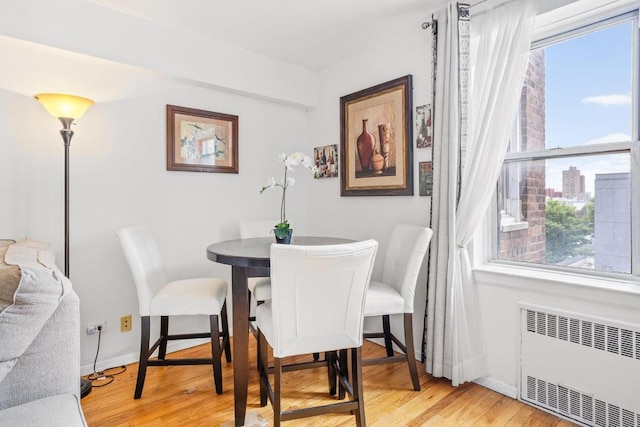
(318, 295)
(257, 228)
(403, 258)
(145, 261)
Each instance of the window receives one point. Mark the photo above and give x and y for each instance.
(567, 196)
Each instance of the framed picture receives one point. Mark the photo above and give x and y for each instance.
(201, 141)
(423, 126)
(426, 178)
(326, 161)
(376, 140)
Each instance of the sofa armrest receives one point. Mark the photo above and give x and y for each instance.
(51, 364)
(39, 327)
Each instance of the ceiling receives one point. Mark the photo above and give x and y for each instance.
(313, 34)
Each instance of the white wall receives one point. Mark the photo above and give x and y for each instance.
(402, 47)
(13, 162)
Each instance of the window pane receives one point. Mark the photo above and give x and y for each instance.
(578, 92)
(573, 212)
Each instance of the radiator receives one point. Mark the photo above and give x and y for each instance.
(579, 367)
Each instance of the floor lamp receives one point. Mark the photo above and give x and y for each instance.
(67, 108)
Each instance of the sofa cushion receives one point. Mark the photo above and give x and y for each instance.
(31, 287)
(62, 410)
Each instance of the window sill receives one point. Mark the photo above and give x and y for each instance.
(514, 226)
(559, 282)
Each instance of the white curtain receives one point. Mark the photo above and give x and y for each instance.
(479, 78)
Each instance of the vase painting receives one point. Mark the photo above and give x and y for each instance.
(365, 144)
(384, 132)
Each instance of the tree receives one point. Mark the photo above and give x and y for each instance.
(565, 231)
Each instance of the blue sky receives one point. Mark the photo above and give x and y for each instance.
(588, 99)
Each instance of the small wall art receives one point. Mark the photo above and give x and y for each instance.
(326, 161)
(423, 126)
(201, 141)
(376, 140)
(426, 178)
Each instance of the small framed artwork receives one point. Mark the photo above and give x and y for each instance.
(423, 126)
(376, 140)
(201, 141)
(426, 178)
(326, 161)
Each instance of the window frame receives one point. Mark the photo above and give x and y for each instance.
(632, 147)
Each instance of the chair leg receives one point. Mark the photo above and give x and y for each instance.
(330, 357)
(225, 332)
(263, 364)
(216, 352)
(342, 354)
(277, 395)
(144, 355)
(386, 327)
(257, 338)
(358, 395)
(164, 333)
(411, 355)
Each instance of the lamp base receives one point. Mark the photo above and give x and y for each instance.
(85, 387)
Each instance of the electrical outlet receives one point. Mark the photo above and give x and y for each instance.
(125, 323)
(93, 329)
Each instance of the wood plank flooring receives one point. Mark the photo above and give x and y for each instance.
(185, 396)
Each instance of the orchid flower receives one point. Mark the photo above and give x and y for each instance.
(282, 229)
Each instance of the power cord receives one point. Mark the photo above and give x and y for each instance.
(98, 378)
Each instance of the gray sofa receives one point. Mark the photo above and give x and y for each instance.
(39, 340)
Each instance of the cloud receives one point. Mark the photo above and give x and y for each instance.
(612, 137)
(607, 100)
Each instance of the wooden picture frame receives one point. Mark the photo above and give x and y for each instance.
(381, 113)
(201, 141)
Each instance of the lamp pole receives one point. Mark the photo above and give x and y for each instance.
(66, 134)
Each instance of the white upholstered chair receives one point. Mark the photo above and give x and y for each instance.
(307, 283)
(159, 297)
(394, 291)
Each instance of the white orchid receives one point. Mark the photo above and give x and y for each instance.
(271, 182)
(282, 229)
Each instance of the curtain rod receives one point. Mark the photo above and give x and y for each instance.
(426, 25)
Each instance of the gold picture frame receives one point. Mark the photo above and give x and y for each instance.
(376, 140)
(201, 141)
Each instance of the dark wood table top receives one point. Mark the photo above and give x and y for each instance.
(256, 252)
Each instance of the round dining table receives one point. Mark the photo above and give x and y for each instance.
(249, 258)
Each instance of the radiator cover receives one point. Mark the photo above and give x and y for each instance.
(580, 367)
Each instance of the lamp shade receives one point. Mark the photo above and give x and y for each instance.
(62, 105)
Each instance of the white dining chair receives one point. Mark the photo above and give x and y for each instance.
(159, 297)
(307, 282)
(393, 293)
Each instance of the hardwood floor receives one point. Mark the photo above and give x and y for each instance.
(185, 396)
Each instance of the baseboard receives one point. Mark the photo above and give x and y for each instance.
(126, 359)
(498, 386)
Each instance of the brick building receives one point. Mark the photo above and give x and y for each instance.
(524, 239)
